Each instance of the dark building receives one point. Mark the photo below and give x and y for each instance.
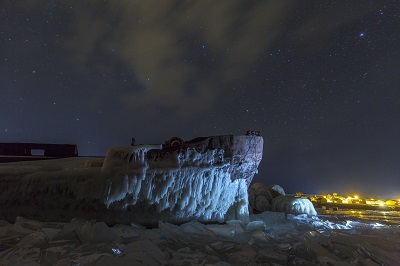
(15, 152)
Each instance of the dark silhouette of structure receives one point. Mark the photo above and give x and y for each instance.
(15, 152)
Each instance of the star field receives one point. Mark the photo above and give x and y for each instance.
(320, 81)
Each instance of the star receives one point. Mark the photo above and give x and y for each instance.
(301, 68)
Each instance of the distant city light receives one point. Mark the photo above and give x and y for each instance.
(356, 199)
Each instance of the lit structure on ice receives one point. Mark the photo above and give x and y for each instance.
(204, 179)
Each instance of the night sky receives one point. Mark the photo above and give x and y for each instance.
(319, 79)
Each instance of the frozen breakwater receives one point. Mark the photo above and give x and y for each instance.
(204, 179)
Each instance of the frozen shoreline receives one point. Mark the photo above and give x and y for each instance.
(270, 238)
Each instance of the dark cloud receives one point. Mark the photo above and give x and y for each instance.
(97, 72)
(152, 39)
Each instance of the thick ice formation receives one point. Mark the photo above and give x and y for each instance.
(270, 238)
(199, 193)
(293, 205)
(204, 179)
(207, 181)
(272, 198)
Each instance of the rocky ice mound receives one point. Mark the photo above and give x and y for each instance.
(293, 205)
(273, 198)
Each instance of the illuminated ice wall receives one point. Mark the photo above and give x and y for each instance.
(205, 179)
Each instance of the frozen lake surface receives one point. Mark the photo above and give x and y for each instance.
(270, 238)
(367, 216)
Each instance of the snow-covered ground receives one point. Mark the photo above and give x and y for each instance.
(270, 238)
